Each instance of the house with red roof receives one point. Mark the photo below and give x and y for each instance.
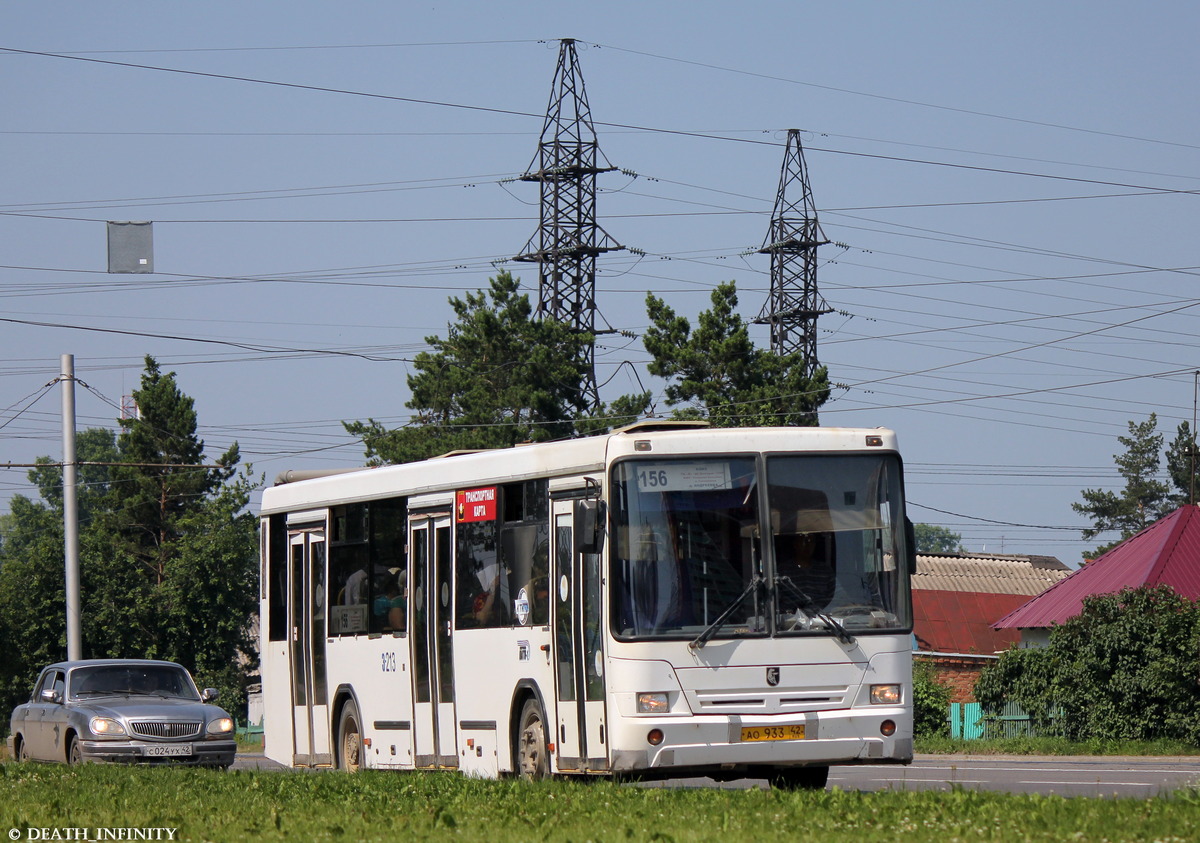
(1165, 553)
(957, 597)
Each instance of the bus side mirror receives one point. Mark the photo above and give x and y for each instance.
(589, 526)
(910, 539)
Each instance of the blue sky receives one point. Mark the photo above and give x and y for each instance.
(1013, 187)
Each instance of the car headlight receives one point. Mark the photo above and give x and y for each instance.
(105, 727)
(220, 726)
(652, 703)
(885, 695)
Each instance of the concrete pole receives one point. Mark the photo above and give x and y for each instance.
(70, 509)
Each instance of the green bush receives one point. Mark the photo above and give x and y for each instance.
(931, 701)
(1125, 668)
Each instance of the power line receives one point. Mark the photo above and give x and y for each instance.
(653, 129)
(902, 100)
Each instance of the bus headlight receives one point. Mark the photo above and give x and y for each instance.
(885, 695)
(652, 703)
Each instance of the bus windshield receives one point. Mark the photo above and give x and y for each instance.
(690, 560)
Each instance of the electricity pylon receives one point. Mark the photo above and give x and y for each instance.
(794, 303)
(568, 238)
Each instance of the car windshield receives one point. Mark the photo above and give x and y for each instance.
(156, 680)
(690, 562)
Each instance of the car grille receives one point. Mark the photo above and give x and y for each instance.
(154, 729)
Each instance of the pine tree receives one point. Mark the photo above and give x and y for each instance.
(500, 376)
(1183, 464)
(1144, 499)
(716, 372)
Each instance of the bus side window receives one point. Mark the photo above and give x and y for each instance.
(387, 533)
(482, 589)
(348, 570)
(525, 550)
(276, 570)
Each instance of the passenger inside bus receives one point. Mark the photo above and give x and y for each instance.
(481, 611)
(390, 605)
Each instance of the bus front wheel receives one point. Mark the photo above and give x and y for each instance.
(349, 745)
(533, 753)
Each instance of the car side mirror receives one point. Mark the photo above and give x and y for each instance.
(209, 694)
(51, 696)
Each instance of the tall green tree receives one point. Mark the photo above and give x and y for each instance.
(500, 376)
(162, 480)
(168, 551)
(934, 539)
(715, 371)
(1183, 464)
(1145, 498)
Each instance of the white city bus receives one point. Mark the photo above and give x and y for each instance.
(662, 601)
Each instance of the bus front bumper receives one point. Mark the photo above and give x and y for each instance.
(853, 736)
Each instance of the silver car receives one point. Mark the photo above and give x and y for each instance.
(121, 710)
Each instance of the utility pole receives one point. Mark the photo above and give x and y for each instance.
(70, 509)
(568, 238)
(1192, 444)
(795, 233)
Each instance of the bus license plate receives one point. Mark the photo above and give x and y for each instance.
(773, 733)
(169, 750)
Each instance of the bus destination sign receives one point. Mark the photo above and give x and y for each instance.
(683, 476)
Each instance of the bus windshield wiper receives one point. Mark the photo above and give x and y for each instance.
(809, 607)
(709, 631)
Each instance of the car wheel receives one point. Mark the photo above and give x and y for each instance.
(349, 742)
(20, 750)
(74, 751)
(799, 778)
(533, 753)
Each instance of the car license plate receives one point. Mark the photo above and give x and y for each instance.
(773, 733)
(169, 750)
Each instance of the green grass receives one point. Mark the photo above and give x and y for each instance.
(268, 805)
(1052, 746)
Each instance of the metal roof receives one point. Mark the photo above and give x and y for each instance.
(987, 574)
(960, 622)
(1165, 553)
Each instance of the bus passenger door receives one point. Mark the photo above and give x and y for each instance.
(434, 726)
(306, 620)
(579, 679)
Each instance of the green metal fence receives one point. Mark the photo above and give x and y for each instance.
(967, 721)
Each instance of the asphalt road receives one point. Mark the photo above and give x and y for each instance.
(1136, 777)
(1124, 776)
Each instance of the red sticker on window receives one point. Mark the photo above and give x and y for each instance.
(476, 505)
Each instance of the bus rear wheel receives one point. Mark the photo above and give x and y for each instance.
(533, 753)
(349, 741)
